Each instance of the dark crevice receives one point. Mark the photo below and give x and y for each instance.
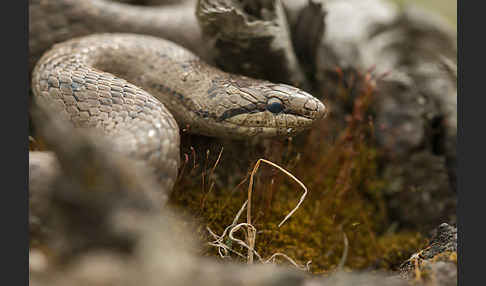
(437, 135)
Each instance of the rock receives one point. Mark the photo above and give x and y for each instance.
(418, 194)
(251, 38)
(438, 261)
(412, 57)
(89, 186)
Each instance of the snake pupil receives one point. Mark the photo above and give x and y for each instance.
(274, 105)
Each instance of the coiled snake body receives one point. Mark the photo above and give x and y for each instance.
(137, 90)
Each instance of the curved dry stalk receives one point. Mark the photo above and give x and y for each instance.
(223, 249)
(239, 213)
(235, 220)
(216, 163)
(304, 268)
(250, 188)
(345, 252)
(218, 242)
(251, 233)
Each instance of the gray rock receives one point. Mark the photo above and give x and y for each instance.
(412, 55)
(438, 261)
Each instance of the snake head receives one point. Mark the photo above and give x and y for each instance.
(264, 109)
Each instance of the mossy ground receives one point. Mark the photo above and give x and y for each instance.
(345, 198)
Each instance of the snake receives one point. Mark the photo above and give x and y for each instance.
(138, 90)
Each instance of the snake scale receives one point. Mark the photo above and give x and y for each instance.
(138, 89)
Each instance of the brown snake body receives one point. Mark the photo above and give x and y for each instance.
(137, 90)
(55, 21)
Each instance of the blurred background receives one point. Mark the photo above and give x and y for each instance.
(447, 8)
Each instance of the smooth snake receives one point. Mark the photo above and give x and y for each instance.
(139, 89)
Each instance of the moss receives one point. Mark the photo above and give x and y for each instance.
(345, 199)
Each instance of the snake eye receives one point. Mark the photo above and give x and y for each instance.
(275, 105)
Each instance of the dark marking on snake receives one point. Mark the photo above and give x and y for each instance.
(250, 108)
(168, 90)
